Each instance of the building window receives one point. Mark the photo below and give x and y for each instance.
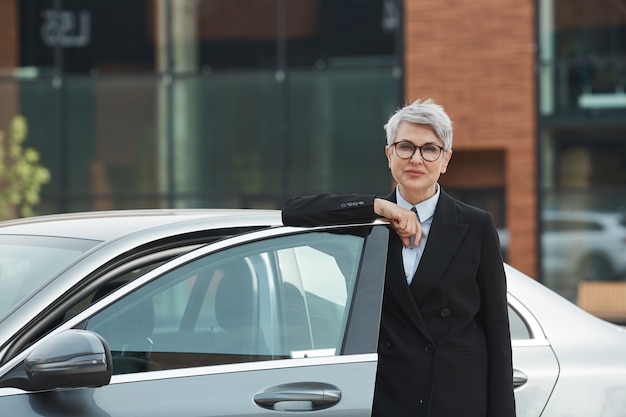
(582, 144)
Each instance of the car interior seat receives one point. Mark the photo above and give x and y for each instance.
(237, 310)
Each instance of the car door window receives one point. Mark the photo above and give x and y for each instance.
(286, 297)
(519, 329)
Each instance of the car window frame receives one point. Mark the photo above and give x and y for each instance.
(536, 335)
(166, 345)
(353, 344)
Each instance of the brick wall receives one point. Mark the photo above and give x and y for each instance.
(8, 61)
(8, 46)
(476, 58)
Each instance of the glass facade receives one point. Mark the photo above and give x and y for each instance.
(203, 103)
(243, 103)
(582, 147)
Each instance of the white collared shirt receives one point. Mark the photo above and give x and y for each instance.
(425, 210)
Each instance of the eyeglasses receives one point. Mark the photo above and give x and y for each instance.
(429, 152)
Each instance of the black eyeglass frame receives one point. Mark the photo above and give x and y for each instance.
(415, 147)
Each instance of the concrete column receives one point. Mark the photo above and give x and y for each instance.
(178, 101)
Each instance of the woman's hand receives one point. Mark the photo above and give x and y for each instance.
(403, 221)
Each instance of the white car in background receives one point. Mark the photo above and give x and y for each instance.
(582, 246)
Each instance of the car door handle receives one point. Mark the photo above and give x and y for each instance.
(519, 378)
(299, 396)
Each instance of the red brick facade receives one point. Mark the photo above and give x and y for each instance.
(8, 59)
(477, 59)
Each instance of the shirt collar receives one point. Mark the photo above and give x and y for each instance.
(425, 209)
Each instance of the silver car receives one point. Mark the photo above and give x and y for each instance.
(216, 313)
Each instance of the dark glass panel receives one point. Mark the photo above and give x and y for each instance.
(237, 159)
(112, 143)
(237, 33)
(330, 33)
(91, 36)
(337, 140)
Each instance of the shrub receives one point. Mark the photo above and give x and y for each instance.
(21, 173)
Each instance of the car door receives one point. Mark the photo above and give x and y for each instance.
(282, 320)
(535, 367)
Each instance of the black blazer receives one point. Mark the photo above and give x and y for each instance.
(444, 343)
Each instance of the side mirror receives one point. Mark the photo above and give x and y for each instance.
(70, 359)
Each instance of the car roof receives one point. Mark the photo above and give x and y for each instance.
(109, 225)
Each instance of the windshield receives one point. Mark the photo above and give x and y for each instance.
(27, 262)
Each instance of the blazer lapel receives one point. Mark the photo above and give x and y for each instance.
(396, 282)
(443, 242)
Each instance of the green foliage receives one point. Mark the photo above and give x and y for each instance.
(21, 173)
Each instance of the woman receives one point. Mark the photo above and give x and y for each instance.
(444, 343)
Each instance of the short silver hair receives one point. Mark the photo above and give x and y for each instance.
(422, 112)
